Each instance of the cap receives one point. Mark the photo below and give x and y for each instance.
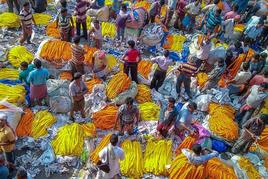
(77, 75)
(3, 116)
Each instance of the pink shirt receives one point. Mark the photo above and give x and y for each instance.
(230, 15)
(258, 80)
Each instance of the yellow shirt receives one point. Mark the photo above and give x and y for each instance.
(7, 135)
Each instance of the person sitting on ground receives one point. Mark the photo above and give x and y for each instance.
(184, 120)
(128, 116)
(170, 113)
(251, 130)
(199, 156)
(77, 91)
(4, 173)
(77, 62)
(111, 154)
(37, 80)
(25, 69)
(163, 62)
(7, 141)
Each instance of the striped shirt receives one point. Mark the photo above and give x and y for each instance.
(77, 54)
(213, 20)
(64, 21)
(80, 11)
(188, 68)
(26, 17)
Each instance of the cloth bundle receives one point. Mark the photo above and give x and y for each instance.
(42, 19)
(144, 94)
(9, 20)
(149, 111)
(19, 54)
(70, 139)
(14, 94)
(24, 127)
(157, 155)
(105, 118)
(9, 73)
(118, 84)
(132, 166)
(221, 121)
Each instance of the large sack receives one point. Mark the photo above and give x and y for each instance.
(203, 101)
(60, 104)
(137, 18)
(101, 14)
(169, 86)
(152, 34)
(131, 92)
(57, 87)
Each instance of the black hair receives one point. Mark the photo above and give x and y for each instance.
(221, 61)
(162, 2)
(216, 1)
(124, 7)
(77, 75)
(96, 21)
(131, 43)
(257, 56)
(245, 66)
(129, 101)
(26, 4)
(22, 173)
(63, 3)
(236, 7)
(63, 10)
(264, 85)
(114, 139)
(76, 39)
(238, 44)
(197, 149)
(218, 11)
(166, 53)
(37, 63)
(24, 64)
(192, 105)
(247, 40)
(171, 100)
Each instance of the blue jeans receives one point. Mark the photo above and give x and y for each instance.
(186, 81)
(120, 33)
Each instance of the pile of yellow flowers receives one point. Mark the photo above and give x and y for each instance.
(42, 121)
(182, 168)
(157, 155)
(10, 20)
(108, 29)
(113, 62)
(42, 19)
(221, 121)
(149, 111)
(144, 68)
(263, 141)
(174, 42)
(132, 166)
(144, 94)
(9, 73)
(202, 78)
(70, 139)
(118, 84)
(94, 156)
(14, 94)
(19, 54)
(264, 109)
(249, 168)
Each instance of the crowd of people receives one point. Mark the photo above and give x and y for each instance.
(250, 83)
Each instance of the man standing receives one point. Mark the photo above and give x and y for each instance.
(163, 63)
(81, 17)
(111, 155)
(187, 70)
(26, 18)
(212, 21)
(7, 140)
(128, 115)
(77, 90)
(77, 62)
(66, 23)
(155, 10)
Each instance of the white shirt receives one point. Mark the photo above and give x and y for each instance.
(228, 28)
(203, 52)
(113, 163)
(163, 62)
(256, 97)
(193, 9)
(242, 77)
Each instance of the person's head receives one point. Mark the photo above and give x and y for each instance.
(124, 8)
(63, 3)
(245, 66)
(63, 12)
(77, 77)
(114, 139)
(162, 2)
(221, 62)
(129, 102)
(229, 54)
(171, 102)
(238, 44)
(166, 53)
(216, 1)
(235, 8)
(192, 106)
(197, 149)
(263, 56)
(26, 6)
(256, 58)
(3, 120)
(96, 23)
(37, 63)
(264, 87)
(131, 44)
(247, 41)
(2, 159)
(21, 174)
(23, 65)
(264, 118)
(218, 12)
(77, 40)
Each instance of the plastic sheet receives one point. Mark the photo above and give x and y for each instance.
(152, 34)
(60, 104)
(57, 87)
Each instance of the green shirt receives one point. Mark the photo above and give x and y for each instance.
(24, 73)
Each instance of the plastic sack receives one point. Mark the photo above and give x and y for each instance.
(57, 87)
(60, 104)
(131, 92)
(169, 86)
(137, 18)
(219, 146)
(203, 101)
(101, 14)
(152, 34)
(215, 54)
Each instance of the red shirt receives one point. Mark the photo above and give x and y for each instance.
(132, 55)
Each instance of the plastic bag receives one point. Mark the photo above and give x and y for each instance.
(152, 34)
(131, 92)
(58, 87)
(60, 104)
(203, 101)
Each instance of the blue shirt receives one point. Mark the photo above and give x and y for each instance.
(25, 73)
(4, 172)
(38, 76)
(100, 3)
(185, 117)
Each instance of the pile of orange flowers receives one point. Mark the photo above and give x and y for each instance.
(144, 68)
(105, 118)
